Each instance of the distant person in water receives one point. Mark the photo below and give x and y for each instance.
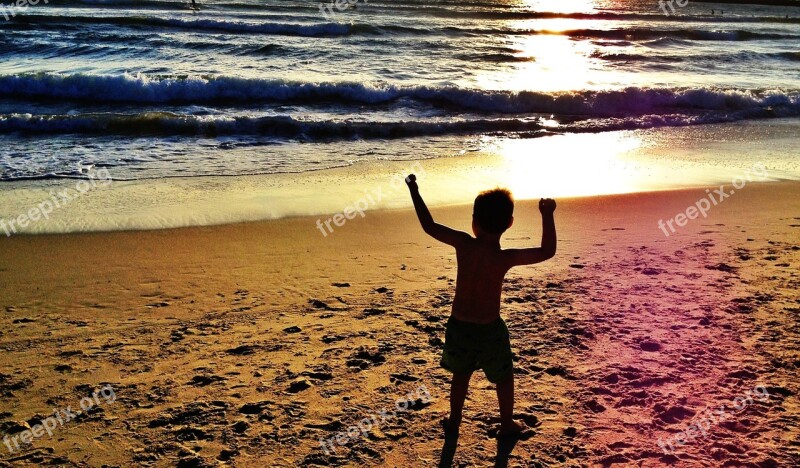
(476, 336)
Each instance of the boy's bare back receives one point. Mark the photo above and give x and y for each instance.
(481, 269)
(482, 263)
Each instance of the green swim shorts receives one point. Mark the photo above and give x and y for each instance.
(472, 346)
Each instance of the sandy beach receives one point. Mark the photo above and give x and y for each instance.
(209, 256)
(253, 344)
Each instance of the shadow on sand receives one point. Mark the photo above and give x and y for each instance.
(505, 445)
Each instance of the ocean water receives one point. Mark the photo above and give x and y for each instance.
(155, 89)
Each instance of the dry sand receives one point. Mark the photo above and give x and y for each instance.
(244, 345)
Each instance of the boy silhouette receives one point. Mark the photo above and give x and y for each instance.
(476, 336)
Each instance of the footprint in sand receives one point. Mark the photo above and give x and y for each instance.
(332, 338)
(397, 378)
(320, 374)
(650, 346)
(63, 368)
(363, 358)
(595, 406)
(317, 304)
(673, 414)
(8, 385)
(743, 254)
(369, 312)
(242, 350)
(722, 267)
(298, 385)
(255, 408)
(205, 380)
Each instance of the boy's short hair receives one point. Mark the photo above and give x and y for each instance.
(493, 210)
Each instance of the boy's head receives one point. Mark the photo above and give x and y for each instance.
(493, 212)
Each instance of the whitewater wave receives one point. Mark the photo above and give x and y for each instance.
(330, 29)
(274, 28)
(162, 124)
(478, 10)
(741, 55)
(144, 89)
(639, 34)
(286, 127)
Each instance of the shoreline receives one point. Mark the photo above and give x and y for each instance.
(304, 231)
(460, 206)
(555, 166)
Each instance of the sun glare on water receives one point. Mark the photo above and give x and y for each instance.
(555, 63)
(561, 6)
(549, 60)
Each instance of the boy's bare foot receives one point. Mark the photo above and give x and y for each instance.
(511, 429)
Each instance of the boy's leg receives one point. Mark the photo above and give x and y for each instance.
(505, 397)
(497, 362)
(458, 393)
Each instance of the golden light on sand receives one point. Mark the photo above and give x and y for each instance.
(570, 165)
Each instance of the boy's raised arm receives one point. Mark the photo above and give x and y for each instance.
(437, 231)
(549, 242)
